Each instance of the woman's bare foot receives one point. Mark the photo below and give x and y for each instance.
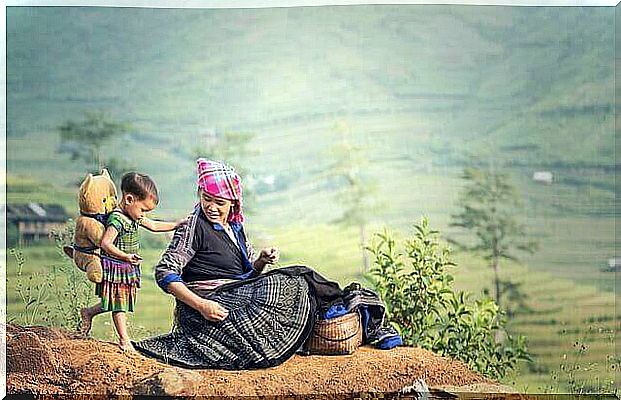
(87, 321)
(126, 345)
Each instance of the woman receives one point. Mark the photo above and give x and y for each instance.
(228, 314)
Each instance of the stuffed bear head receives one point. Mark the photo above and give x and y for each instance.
(97, 194)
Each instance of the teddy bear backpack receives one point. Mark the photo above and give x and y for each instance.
(97, 198)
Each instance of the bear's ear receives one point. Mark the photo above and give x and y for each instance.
(104, 172)
(87, 182)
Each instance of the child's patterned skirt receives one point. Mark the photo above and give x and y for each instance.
(118, 288)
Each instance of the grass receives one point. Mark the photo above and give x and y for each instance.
(156, 307)
(563, 312)
(25, 189)
(562, 315)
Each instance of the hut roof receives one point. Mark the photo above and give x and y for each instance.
(36, 212)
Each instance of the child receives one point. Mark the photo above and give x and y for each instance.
(120, 260)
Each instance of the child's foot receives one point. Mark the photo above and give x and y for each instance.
(126, 346)
(87, 321)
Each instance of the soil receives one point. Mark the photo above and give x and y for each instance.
(44, 360)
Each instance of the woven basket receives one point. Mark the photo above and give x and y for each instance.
(341, 335)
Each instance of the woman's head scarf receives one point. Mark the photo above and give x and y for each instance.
(221, 180)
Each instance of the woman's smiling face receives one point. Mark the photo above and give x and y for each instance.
(216, 209)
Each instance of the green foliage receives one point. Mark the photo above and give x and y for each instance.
(356, 191)
(231, 147)
(12, 234)
(85, 140)
(488, 205)
(516, 297)
(33, 290)
(574, 362)
(55, 294)
(72, 291)
(421, 302)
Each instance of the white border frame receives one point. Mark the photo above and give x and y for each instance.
(188, 4)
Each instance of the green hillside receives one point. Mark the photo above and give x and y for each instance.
(476, 73)
(433, 85)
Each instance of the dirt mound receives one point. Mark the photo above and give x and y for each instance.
(43, 360)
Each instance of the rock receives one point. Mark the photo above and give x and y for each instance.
(171, 382)
(479, 388)
(177, 382)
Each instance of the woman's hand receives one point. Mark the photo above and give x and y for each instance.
(270, 255)
(209, 309)
(212, 311)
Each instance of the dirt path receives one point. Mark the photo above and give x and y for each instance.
(43, 360)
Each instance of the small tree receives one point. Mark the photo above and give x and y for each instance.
(85, 140)
(117, 168)
(422, 304)
(488, 205)
(356, 193)
(232, 148)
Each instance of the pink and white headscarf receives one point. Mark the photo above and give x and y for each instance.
(221, 180)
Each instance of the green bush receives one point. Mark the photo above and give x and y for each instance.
(72, 290)
(422, 304)
(54, 294)
(33, 290)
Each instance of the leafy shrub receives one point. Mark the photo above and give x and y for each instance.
(574, 363)
(33, 290)
(72, 290)
(54, 294)
(422, 304)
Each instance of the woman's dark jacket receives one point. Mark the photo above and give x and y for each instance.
(201, 250)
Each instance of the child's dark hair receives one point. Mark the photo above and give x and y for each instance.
(140, 185)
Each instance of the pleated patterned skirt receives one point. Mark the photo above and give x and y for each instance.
(118, 288)
(269, 318)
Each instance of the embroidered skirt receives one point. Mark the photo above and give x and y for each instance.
(118, 288)
(269, 318)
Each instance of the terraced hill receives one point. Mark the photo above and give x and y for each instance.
(526, 85)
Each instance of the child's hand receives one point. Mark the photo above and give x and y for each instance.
(134, 259)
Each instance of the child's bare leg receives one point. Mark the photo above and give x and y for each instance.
(120, 323)
(87, 314)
